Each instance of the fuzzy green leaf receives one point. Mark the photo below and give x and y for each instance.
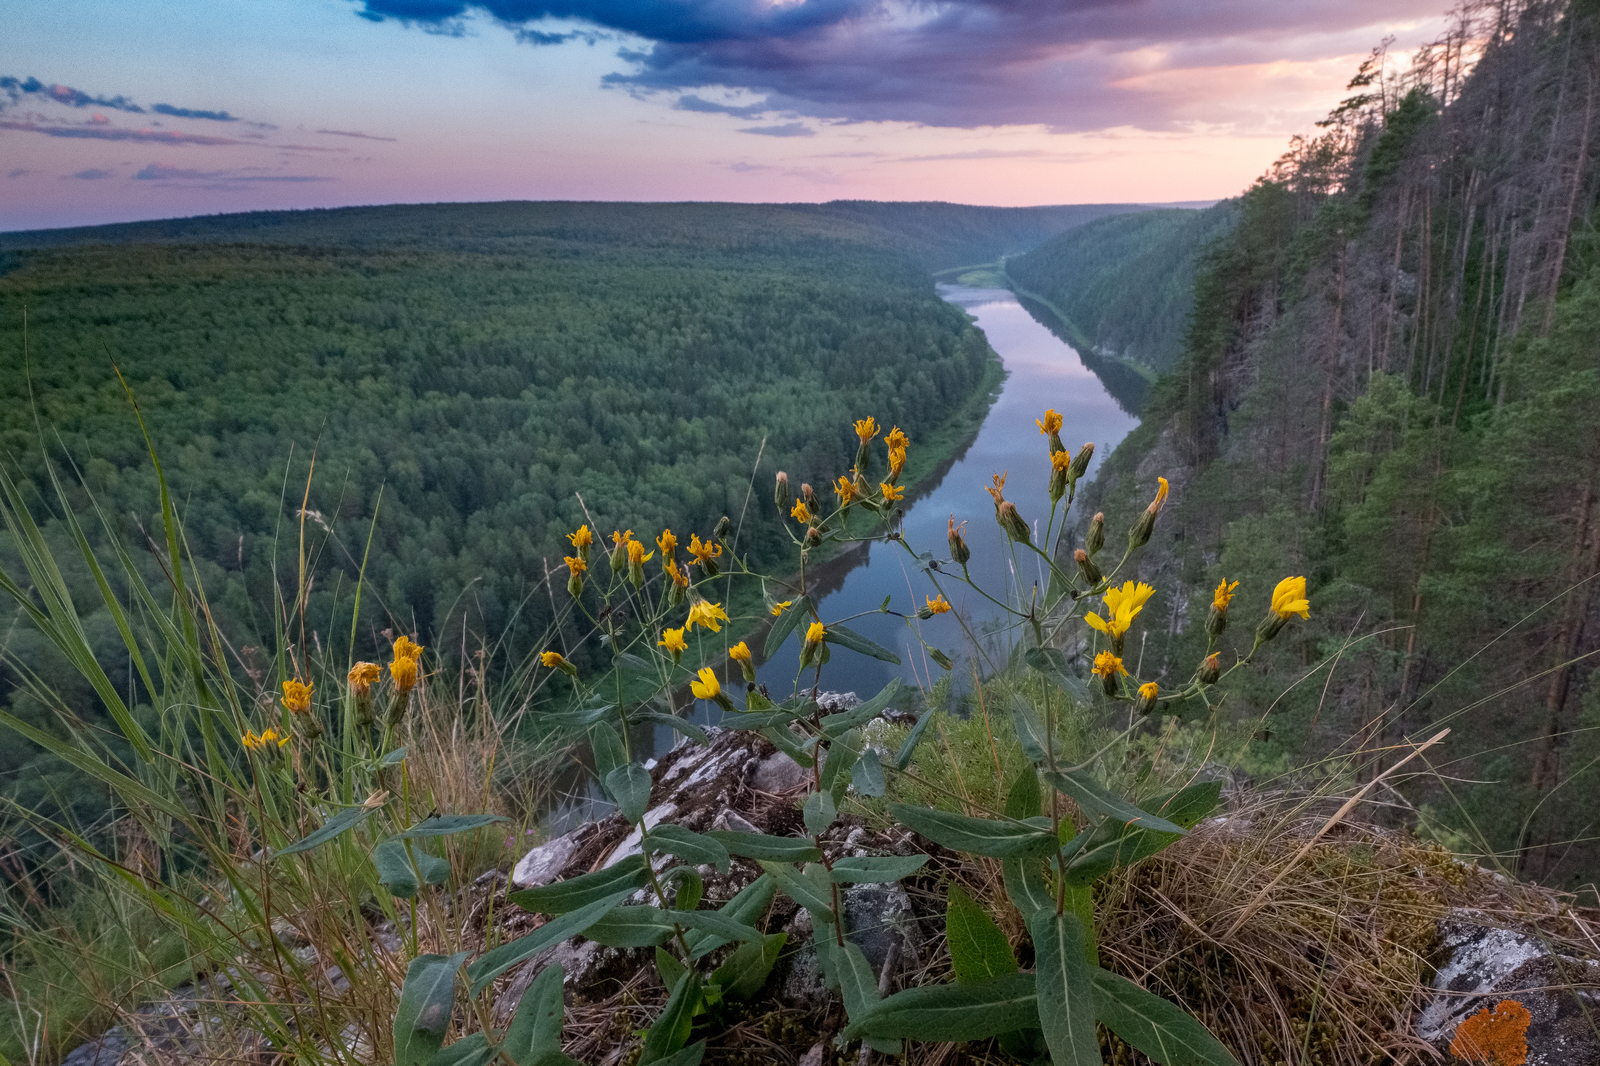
(422, 1015)
(978, 949)
(492, 964)
(1066, 996)
(536, 1026)
(766, 846)
(575, 892)
(872, 869)
(849, 638)
(953, 1012)
(1092, 796)
(1154, 1026)
(978, 836)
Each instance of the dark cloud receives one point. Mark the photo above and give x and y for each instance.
(93, 174)
(1072, 65)
(190, 112)
(161, 172)
(107, 133)
(355, 133)
(788, 129)
(694, 103)
(18, 172)
(16, 88)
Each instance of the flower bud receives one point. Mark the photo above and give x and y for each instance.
(1060, 463)
(724, 527)
(959, 552)
(780, 492)
(1091, 573)
(1096, 538)
(1269, 627)
(619, 557)
(941, 658)
(575, 584)
(1010, 521)
(809, 495)
(813, 536)
(1147, 698)
(1139, 535)
(1216, 621)
(1080, 462)
(1211, 669)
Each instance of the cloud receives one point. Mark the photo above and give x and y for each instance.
(695, 103)
(106, 133)
(16, 88)
(788, 129)
(18, 172)
(93, 174)
(190, 112)
(162, 172)
(1069, 65)
(353, 133)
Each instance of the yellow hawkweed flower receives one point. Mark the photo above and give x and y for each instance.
(1050, 424)
(1129, 599)
(551, 659)
(621, 538)
(404, 672)
(1148, 690)
(897, 461)
(800, 514)
(582, 538)
(267, 740)
(703, 550)
(667, 543)
(362, 676)
(779, 608)
(297, 696)
(895, 440)
(636, 554)
(1223, 595)
(708, 687)
(938, 605)
(844, 490)
(406, 648)
(1161, 496)
(679, 578)
(706, 614)
(1289, 598)
(816, 633)
(575, 563)
(867, 428)
(1060, 461)
(890, 492)
(1107, 665)
(672, 640)
(740, 652)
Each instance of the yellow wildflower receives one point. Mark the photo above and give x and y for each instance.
(406, 648)
(679, 578)
(740, 652)
(708, 687)
(575, 563)
(1223, 595)
(799, 513)
(667, 543)
(297, 696)
(897, 461)
(779, 608)
(621, 538)
(1148, 690)
(1050, 424)
(938, 605)
(867, 428)
(891, 492)
(552, 659)
(844, 490)
(1161, 496)
(582, 538)
(362, 676)
(1060, 461)
(816, 633)
(1107, 665)
(1128, 600)
(267, 740)
(404, 672)
(703, 550)
(1289, 598)
(706, 614)
(672, 640)
(895, 440)
(636, 554)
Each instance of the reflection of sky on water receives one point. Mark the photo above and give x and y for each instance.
(1042, 372)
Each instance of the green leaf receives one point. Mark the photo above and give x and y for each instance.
(1154, 1026)
(1066, 996)
(1030, 732)
(818, 812)
(837, 724)
(536, 1027)
(1092, 796)
(872, 869)
(979, 836)
(784, 624)
(746, 971)
(629, 786)
(800, 889)
(785, 742)
(746, 907)
(835, 776)
(671, 1029)
(607, 749)
(858, 986)
(449, 824)
(1051, 663)
(394, 758)
(691, 890)
(688, 845)
(868, 774)
(471, 1050)
(643, 926)
(1025, 799)
(689, 1056)
(423, 1012)
(978, 949)
(849, 638)
(953, 1012)
(668, 967)
(672, 721)
(902, 758)
(575, 892)
(1028, 885)
(342, 822)
(399, 876)
(766, 846)
(492, 964)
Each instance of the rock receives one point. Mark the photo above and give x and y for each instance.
(878, 916)
(1482, 965)
(815, 1056)
(633, 843)
(542, 865)
(778, 774)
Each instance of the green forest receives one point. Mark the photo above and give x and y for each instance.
(1390, 372)
(1122, 286)
(472, 382)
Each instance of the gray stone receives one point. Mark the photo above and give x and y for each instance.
(1481, 965)
(545, 862)
(778, 773)
(877, 916)
(633, 843)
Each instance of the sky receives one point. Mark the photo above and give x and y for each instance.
(113, 111)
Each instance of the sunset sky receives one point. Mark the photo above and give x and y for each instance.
(116, 111)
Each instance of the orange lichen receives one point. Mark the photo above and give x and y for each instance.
(1498, 1036)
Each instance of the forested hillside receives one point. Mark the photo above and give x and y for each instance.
(460, 373)
(1392, 372)
(1123, 286)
